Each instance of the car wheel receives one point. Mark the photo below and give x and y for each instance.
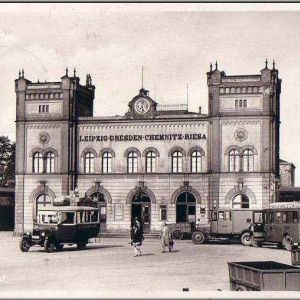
(246, 239)
(287, 242)
(24, 245)
(177, 235)
(81, 245)
(49, 246)
(198, 237)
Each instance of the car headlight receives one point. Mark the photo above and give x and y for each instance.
(27, 233)
(43, 233)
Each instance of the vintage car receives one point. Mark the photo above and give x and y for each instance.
(57, 226)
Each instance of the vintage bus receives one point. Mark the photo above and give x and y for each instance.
(280, 225)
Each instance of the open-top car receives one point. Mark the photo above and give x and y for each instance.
(57, 226)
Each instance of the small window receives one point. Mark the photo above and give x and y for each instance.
(241, 103)
(87, 218)
(278, 216)
(236, 103)
(227, 215)
(295, 217)
(163, 213)
(221, 215)
(214, 216)
(245, 103)
(258, 217)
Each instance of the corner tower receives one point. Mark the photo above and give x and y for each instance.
(46, 133)
(245, 116)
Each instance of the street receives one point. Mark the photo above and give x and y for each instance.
(108, 269)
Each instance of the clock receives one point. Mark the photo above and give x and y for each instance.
(142, 105)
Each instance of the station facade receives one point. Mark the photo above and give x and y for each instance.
(155, 163)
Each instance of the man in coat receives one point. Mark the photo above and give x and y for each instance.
(166, 239)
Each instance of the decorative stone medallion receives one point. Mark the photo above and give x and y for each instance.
(241, 134)
(44, 138)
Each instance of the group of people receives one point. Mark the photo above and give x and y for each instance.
(137, 237)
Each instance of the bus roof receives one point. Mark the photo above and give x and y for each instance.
(285, 205)
(68, 208)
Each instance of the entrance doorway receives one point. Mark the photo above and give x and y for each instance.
(141, 209)
(99, 199)
(186, 208)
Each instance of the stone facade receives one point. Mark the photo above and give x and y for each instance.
(158, 165)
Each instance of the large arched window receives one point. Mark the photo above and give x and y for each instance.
(196, 162)
(150, 162)
(106, 162)
(89, 162)
(41, 201)
(132, 162)
(38, 162)
(240, 201)
(234, 161)
(248, 160)
(177, 162)
(50, 158)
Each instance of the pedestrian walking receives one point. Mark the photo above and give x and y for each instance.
(166, 238)
(137, 238)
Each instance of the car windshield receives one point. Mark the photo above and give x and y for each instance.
(47, 217)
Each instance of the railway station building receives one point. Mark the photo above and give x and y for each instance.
(155, 162)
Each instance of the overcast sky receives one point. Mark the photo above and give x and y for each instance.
(174, 42)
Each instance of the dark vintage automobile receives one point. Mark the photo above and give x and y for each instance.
(62, 225)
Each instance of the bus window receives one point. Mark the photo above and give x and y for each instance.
(227, 215)
(80, 217)
(67, 217)
(285, 216)
(269, 217)
(214, 216)
(87, 217)
(278, 216)
(221, 215)
(94, 216)
(295, 216)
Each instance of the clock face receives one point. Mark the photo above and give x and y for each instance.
(142, 106)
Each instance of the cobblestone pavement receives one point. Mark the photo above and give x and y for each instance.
(108, 269)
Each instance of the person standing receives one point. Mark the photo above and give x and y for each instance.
(137, 238)
(166, 239)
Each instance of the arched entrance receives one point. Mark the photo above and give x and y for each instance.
(186, 208)
(141, 208)
(42, 200)
(99, 199)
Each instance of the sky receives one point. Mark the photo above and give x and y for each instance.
(174, 43)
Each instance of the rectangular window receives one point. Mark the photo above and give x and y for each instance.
(227, 215)
(43, 109)
(245, 103)
(236, 103)
(163, 213)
